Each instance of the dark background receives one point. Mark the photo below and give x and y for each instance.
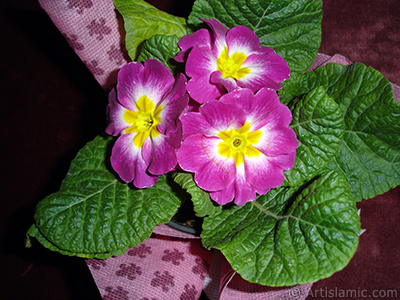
(51, 106)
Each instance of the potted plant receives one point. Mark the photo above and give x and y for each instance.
(219, 109)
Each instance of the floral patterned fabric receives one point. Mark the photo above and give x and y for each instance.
(174, 265)
(94, 30)
(160, 268)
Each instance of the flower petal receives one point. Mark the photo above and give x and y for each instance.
(202, 91)
(277, 141)
(244, 192)
(242, 39)
(242, 97)
(157, 79)
(200, 64)
(218, 36)
(228, 83)
(240, 191)
(222, 116)
(225, 196)
(135, 80)
(200, 38)
(267, 70)
(163, 156)
(173, 104)
(199, 154)
(124, 156)
(262, 173)
(194, 123)
(129, 77)
(127, 161)
(115, 115)
(174, 135)
(285, 161)
(267, 109)
(143, 179)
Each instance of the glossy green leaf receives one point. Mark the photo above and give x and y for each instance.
(143, 20)
(369, 157)
(96, 215)
(163, 48)
(289, 236)
(202, 202)
(319, 126)
(291, 27)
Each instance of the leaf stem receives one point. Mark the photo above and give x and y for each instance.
(266, 211)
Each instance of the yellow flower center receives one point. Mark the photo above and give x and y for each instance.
(144, 121)
(231, 66)
(239, 142)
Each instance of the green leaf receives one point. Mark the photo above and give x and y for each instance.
(96, 215)
(291, 27)
(33, 232)
(143, 20)
(369, 157)
(288, 236)
(203, 205)
(163, 48)
(319, 126)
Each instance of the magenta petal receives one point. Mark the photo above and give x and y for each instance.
(157, 79)
(174, 135)
(115, 115)
(262, 173)
(239, 190)
(267, 70)
(129, 77)
(278, 141)
(256, 80)
(228, 83)
(127, 161)
(190, 155)
(211, 173)
(264, 109)
(209, 146)
(135, 80)
(279, 117)
(163, 158)
(212, 178)
(143, 179)
(274, 66)
(285, 161)
(200, 63)
(200, 38)
(222, 116)
(218, 37)
(124, 157)
(202, 91)
(194, 123)
(244, 192)
(225, 196)
(173, 104)
(242, 97)
(242, 39)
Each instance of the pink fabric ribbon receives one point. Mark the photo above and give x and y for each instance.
(174, 265)
(95, 31)
(170, 264)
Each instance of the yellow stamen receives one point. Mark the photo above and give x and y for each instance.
(144, 121)
(238, 143)
(231, 66)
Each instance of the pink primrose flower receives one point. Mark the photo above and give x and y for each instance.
(239, 145)
(144, 112)
(223, 60)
